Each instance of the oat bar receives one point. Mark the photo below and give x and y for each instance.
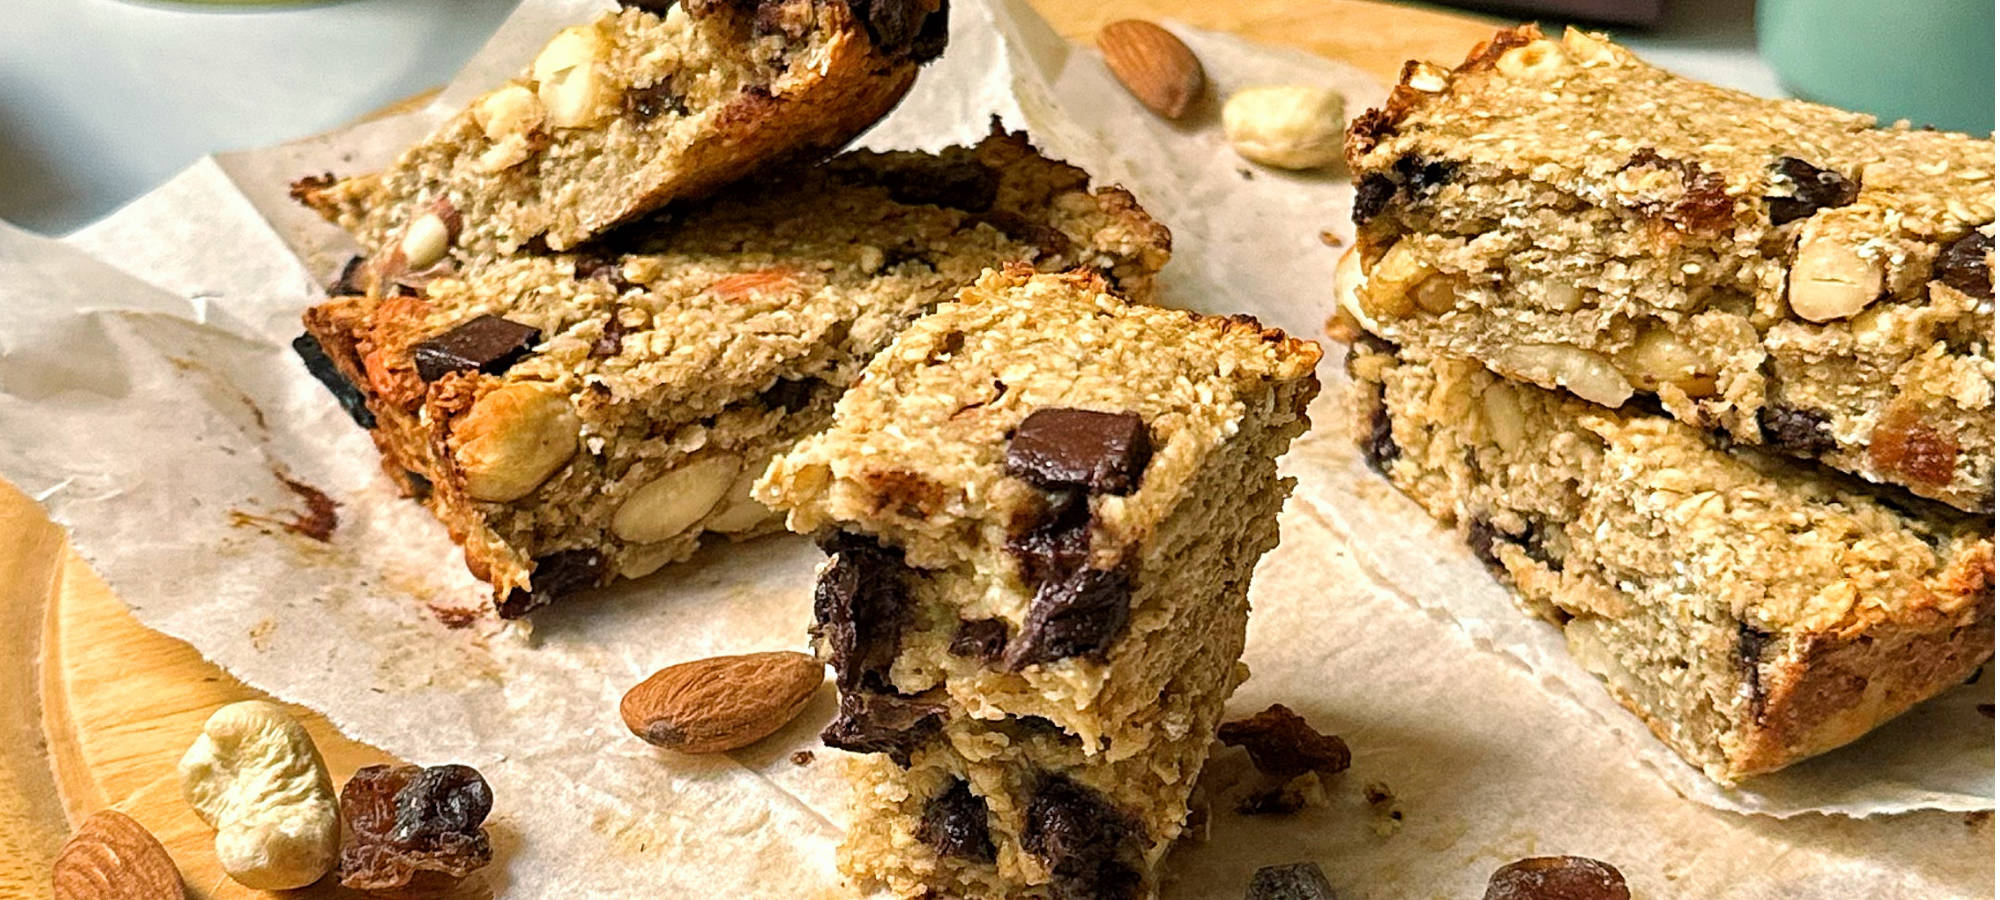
(654, 102)
(1752, 609)
(1042, 506)
(1783, 274)
(574, 418)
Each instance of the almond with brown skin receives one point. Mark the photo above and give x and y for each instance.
(1153, 64)
(114, 858)
(722, 703)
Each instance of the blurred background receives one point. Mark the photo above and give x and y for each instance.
(102, 99)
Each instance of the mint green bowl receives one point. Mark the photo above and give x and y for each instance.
(1928, 61)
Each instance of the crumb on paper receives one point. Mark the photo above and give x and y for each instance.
(1388, 817)
(454, 617)
(260, 634)
(1330, 239)
(802, 757)
(317, 521)
(1246, 173)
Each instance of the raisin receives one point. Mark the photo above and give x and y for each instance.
(871, 722)
(1057, 541)
(556, 575)
(1421, 176)
(1801, 432)
(1750, 644)
(1078, 614)
(1295, 881)
(1371, 196)
(321, 367)
(1083, 449)
(1704, 204)
(860, 606)
(954, 824)
(1282, 744)
(413, 830)
(1082, 839)
(1805, 189)
(487, 343)
(1378, 447)
(643, 104)
(1557, 878)
(612, 341)
(984, 639)
(1963, 265)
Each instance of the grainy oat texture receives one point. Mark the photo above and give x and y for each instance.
(1780, 273)
(622, 115)
(1752, 610)
(622, 401)
(1043, 506)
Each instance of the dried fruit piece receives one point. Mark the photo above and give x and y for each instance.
(488, 343)
(1557, 878)
(1082, 838)
(1963, 265)
(871, 722)
(1293, 881)
(1903, 443)
(1153, 64)
(1281, 743)
(954, 824)
(111, 856)
(1803, 189)
(1099, 452)
(860, 604)
(721, 703)
(413, 830)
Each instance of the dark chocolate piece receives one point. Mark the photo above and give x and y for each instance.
(1294, 881)
(1099, 452)
(488, 343)
(1083, 839)
(647, 103)
(1558, 878)
(556, 575)
(1963, 265)
(352, 281)
(1805, 189)
(872, 722)
(903, 27)
(954, 824)
(321, 366)
(1079, 613)
(982, 638)
(860, 605)
(1281, 743)
(1058, 541)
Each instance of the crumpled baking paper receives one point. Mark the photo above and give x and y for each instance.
(149, 400)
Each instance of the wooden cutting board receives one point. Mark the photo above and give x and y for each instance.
(95, 710)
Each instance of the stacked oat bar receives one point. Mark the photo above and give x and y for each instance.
(1042, 505)
(1707, 378)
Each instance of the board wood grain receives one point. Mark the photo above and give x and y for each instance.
(95, 710)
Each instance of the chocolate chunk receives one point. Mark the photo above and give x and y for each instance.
(1801, 432)
(954, 824)
(1750, 644)
(1056, 541)
(352, 281)
(1557, 878)
(1282, 744)
(1421, 176)
(1099, 452)
(647, 103)
(1963, 265)
(1294, 881)
(488, 343)
(872, 722)
(321, 367)
(556, 575)
(981, 638)
(1078, 614)
(1804, 189)
(970, 188)
(1082, 839)
(1378, 447)
(790, 395)
(1371, 196)
(860, 605)
(903, 27)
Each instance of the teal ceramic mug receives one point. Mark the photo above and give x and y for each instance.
(1928, 61)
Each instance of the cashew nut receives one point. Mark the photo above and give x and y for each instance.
(255, 776)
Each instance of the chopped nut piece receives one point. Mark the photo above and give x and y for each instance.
(513, 439)
(1153, 64)
(669, 505)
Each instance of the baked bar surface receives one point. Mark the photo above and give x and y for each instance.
(574, 418)
(648, 104)
(1752, 609)
(1042, 506)
(1786, 274)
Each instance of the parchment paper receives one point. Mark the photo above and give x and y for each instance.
(149, 400)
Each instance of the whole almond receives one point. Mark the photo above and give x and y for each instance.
(114, 858)
(1153, 64)
(721, 703)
